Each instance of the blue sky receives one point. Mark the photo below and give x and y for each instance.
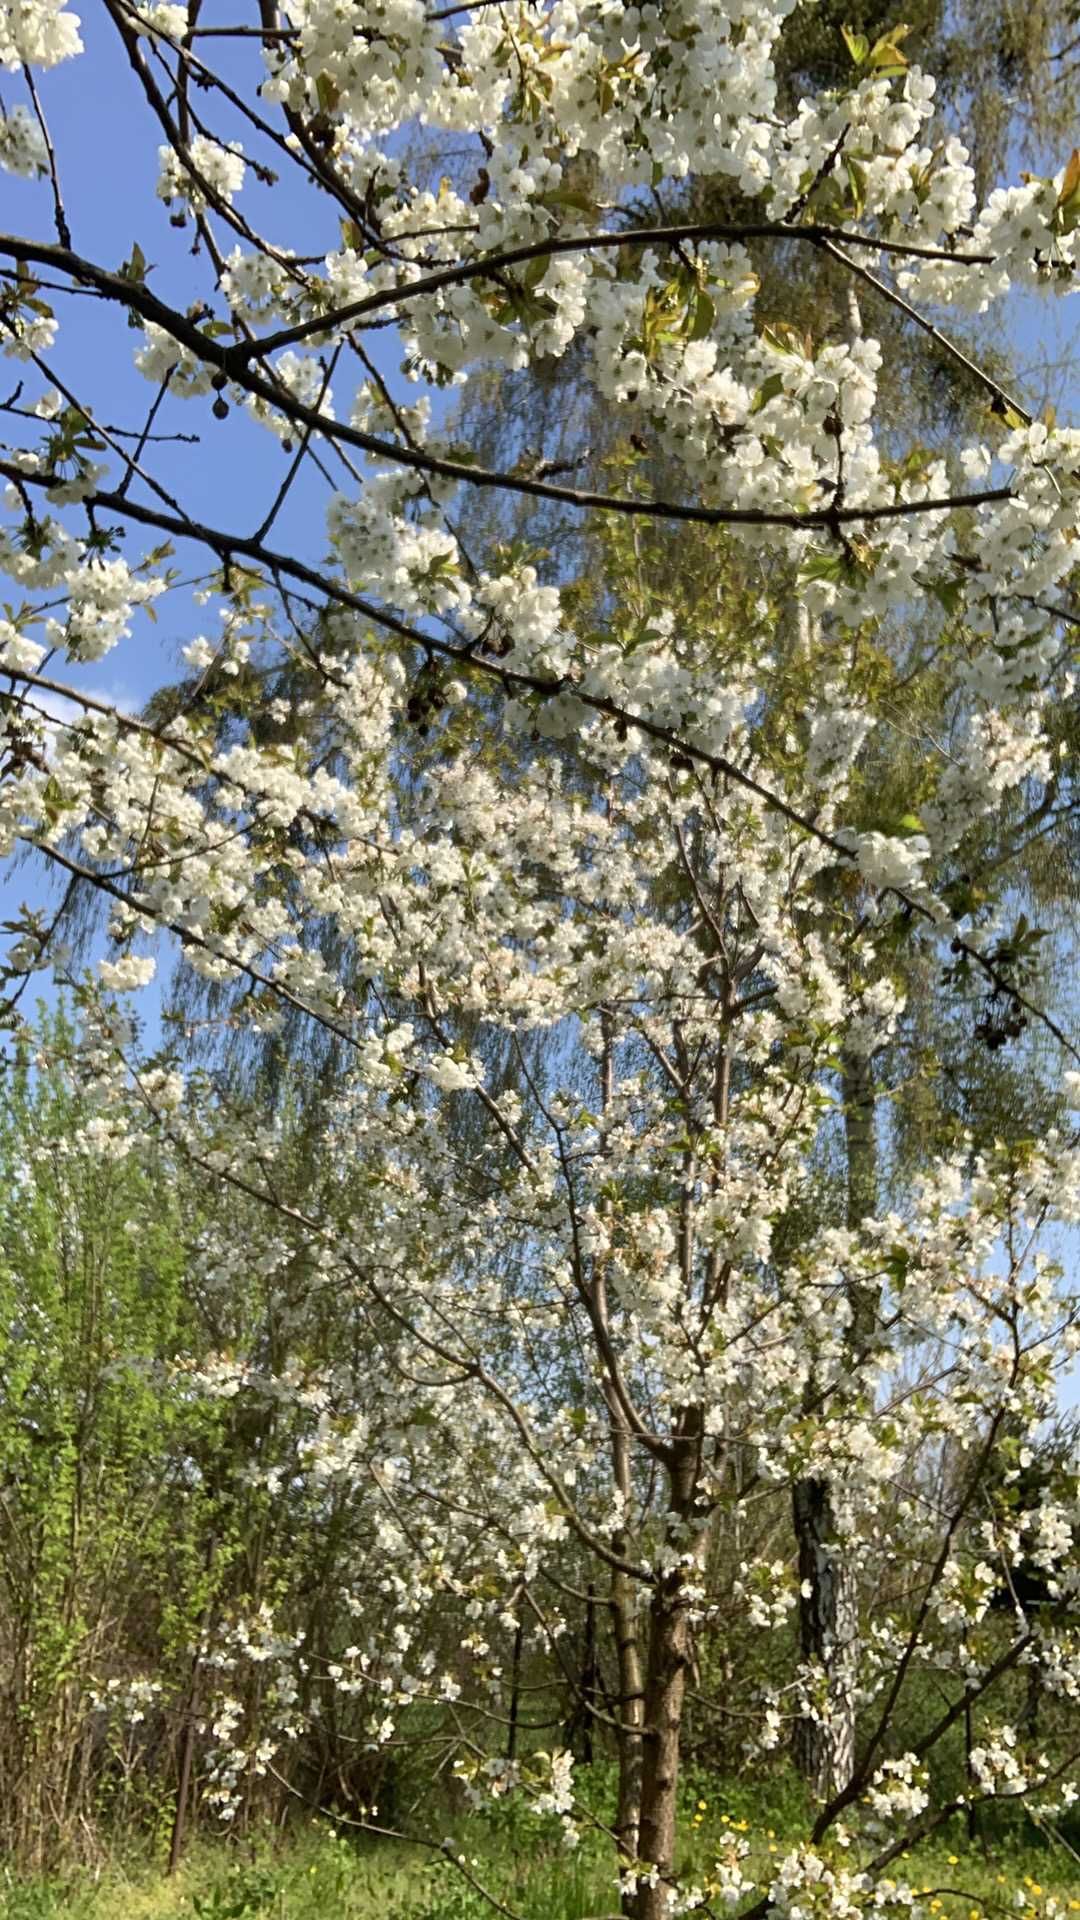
(107, 142)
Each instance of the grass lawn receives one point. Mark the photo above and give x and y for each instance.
(318, 1873)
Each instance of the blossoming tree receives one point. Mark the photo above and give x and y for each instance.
(418, 804)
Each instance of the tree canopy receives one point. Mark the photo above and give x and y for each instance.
(624, 898)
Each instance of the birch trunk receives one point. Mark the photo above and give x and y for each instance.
(824, 1747)
(622, 1596)
(824, 1742)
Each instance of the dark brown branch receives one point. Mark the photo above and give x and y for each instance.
(63, 231)
(491, 264)
(910, 312)
(232, 361)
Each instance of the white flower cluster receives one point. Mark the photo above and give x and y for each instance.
(457, 817)
(898, 1790)
(127, 974)
(999, 1766)
(208, 171)
(36, 33)
(129, 1700)
(22, 144)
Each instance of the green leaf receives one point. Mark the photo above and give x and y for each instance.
(857, 182)
(768, 390)
(857, 44)
(134, 267)
(885, 57)
(327, 92)
(573, 198)
(1068, 201)
(823, 564)
(949, 594)
(704, 313)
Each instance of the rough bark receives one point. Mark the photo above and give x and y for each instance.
(665, 1690)
(824, 1745)
(668, 1661)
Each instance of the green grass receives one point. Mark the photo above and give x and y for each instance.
(313, 1874)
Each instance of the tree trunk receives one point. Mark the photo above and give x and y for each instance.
(824, 1747)
(515, 1689)
(588, 1677)
(1032, 1702)
(630, 1707)
(824, 1741)
(969, 1774)
(668, 1658)
(183, 1784)
(623, 1596)
(667, 1665)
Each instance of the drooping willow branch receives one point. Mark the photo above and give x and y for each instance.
(227, 546)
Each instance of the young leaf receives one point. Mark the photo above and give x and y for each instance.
(1068, 201)
(704, 313)
(885, 57)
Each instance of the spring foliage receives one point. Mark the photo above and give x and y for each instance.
(588, 892)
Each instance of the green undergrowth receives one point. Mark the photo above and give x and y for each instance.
(319, 1872)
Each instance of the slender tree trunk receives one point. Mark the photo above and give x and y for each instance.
(183, 1784)
(622, 1595)
(669, 1656)
(631, 1703)
(1032, 1702)
(515, 1689)
(187, 1748)
(824, 1740)
(969, 1771)
(588, 1678)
